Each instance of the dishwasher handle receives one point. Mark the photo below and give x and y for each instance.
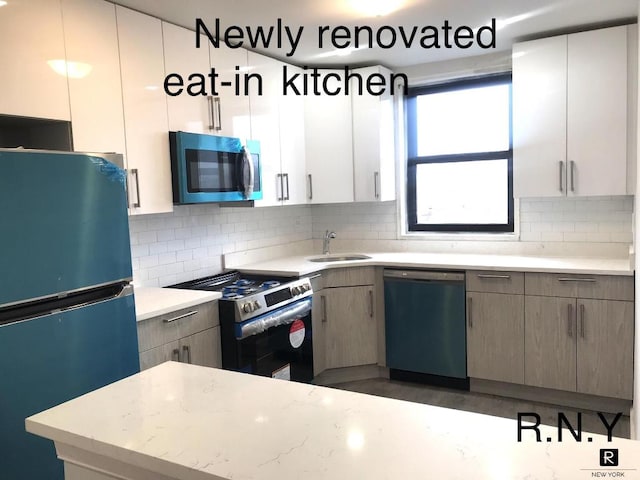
(433, 276)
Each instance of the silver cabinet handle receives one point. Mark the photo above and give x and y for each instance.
(561, 171)
(577, 279)
(323, 300)
(469, 317)
(218, 109)
(582, 320)
(175, 355)
(286, 181)
(376, 181)
(212, 115)
(280, 194)
(187, 350)
(134, 173)
(488, 275)
(572, 167)
(371, 303)
(173, 319)
(570, 319)
(310, 187)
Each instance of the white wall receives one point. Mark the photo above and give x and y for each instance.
(635, 411)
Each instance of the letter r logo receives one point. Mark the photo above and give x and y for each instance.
(608, 457)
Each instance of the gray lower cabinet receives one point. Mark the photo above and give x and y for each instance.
(190, 335)
(605, 348)
(549, 344)
(351, 328)
(495, 325)
(579, 344)
(319, 323)
(495, 336)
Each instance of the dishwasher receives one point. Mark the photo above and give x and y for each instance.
(425, 327)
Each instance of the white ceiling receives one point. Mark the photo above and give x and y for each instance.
(521, 19)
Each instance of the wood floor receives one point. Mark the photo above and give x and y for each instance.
(481, 403)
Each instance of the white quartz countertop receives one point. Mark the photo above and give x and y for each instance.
(195, 423)
(301, 265)
(151, 301)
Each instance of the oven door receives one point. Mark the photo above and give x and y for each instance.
(278, 344)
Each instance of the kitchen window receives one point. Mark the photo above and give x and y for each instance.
(460, 157)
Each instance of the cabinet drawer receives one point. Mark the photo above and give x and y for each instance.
(166, 328)
(495, 282)
(579, 286)
(349, 277)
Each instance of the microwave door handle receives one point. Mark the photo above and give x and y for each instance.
(248, 173)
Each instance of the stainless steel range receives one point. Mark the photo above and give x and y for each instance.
(265, 324)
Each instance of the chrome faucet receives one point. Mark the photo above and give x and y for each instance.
(327, 238)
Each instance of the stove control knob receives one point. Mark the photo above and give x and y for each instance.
(247, 308)
(256, 305)
(305, 287)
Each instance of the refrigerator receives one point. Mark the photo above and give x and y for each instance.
(67, 316)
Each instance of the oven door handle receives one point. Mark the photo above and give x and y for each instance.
(282, 316)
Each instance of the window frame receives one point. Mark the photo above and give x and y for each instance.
(413, 160)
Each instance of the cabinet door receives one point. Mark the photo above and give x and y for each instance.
(373, 141)
(163, 353)
(495, 337)
(202, 348)
(597, 112)
(540, 117)
(351, 327)
(605, 348)
(550, 342)
(33, 81)
(265, 125)
(292, 145)
(185, 112)
(145, 112)
(328, 145)
(232, 117)
(319, 322)
(91, 37)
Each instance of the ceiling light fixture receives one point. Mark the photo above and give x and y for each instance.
(339, 52)
(2, 3)
(70, 69)
(375, 8)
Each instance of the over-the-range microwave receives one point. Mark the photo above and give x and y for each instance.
(211, 168)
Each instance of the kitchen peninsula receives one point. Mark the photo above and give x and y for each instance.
(178, 421)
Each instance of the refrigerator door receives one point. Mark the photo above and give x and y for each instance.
(51, 359)
(64, 223)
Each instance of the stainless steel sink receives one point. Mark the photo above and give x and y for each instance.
(338, 258)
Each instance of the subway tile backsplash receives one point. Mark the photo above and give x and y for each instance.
(189, 243)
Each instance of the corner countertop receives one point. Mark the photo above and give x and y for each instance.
(187, 422)
(301, 265)
(152, 301)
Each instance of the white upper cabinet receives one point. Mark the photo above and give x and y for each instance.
(187, 113)
(329, 145)
(373, 142)
(33, 80)
(265, 125)
(570, 114)
(95, 93)
(597, 112)
(292, 145)
(230, 112)
(145, 112)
